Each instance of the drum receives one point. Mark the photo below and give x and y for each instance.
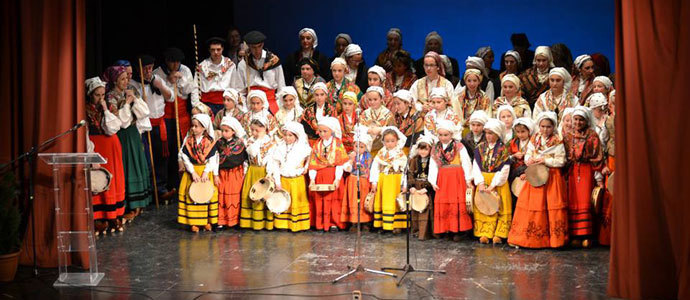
(487, 202)
(469, 196)
(609, 183)
(262, 188)
(100, 180)
(537, 175)
(322, 187)
(201, 192)
(516, 186)
(401, 202)
(597, 197)
(419, 201)
(369, 203)
(278, 202)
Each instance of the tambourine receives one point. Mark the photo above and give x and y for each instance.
(517, 186)
(469, 197)
(537, 175)
(201, 192)
(278, 202)
(597, 197)
(322, 187)
(369, 203)
(100, 180)
(419, 201)
(262, 188)
(487, 202)
(400, 199)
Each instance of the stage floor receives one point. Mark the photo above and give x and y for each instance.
(156, 258)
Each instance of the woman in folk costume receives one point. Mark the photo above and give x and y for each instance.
(409, 120)
(604, 85)
(130, 109)
(258, 109)
(585, 157)
(308, 42)
(401, 76)
(326, 167)
(417, 181)
(506, 115)
(510, 95)
(583, 76)
(394, 42)
(376, 116)
(320, 108)
(599, 107)
(232, 160)
(357, 69)
(511, 64)
(340, 84)
(386, 179)
(476, 135)
(441, 110)
(535, 80)
(288, 165)
(604, 218)
(541, 213)
(200, 157)
(558, 97)
(348, 120)
(490, 170)
(450, 173)
(290, 109)
(231, 99)
(435, 78)
(470, 98)
(358, 165)
(311, 72)
(566, 124)
(376, 76)
(103, 125)
(255, 214)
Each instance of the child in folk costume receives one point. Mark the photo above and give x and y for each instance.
(386, 178)
(231, 98)
(348, 119)
(232, 160)
(340, 84)
(417, 179)
(585, 157)
(506, 115)
(604, 85)
(598, 105)
(376, 76)
(290, 109)
(476, 134)
(558, 97)
(566, 122)
(131, 109)
(440, 111)
(289, 163)
(450, 173)
(376, 116)
(321, 107)
(255, 214)
(200, 157)
(490, 170)
(358, 166)
(103, 126)
(541, 213)
(470, 98)
(604, 218)
(258, 109)
(523, 128)
(326, 167)
(201, 108)
(510, 95)
(409, 120)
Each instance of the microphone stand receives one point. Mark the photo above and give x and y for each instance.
(30, 157)
(359, 267)
(408, 268)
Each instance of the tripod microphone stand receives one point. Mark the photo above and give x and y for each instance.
(408, 268)
(359, 267)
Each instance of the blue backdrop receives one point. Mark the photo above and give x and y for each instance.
(585, 26)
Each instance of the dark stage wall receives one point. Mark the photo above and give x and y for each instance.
(586, 26)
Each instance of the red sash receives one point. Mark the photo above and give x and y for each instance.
(160, 123)
(270, 95)
(215, 97)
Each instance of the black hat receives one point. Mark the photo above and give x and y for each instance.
(146, 59)
(215, 40)
(254, 37)
(520, 39)
(173, 54)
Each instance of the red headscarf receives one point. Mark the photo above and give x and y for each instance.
(439, 62)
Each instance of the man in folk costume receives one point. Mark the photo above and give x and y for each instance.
(175, 73)
(214, 74)
(156, 92)
(261, 70)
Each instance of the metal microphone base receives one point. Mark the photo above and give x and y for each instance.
(407, 269)
(360, 268)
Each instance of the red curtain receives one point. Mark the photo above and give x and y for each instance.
(650, 252)
(42, 93)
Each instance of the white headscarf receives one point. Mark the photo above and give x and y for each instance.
(433, 36)
(93, 83)
(479, 116)
(580, 60)
(361, 136)
(508, 108)
(298, 130)
(394, 31)
(483, 51)
(205, 121)
(401, 137)
(473, 62)
(235, 125)
(438, 92)
(476, 72)
(232, 94)
(605, 81)
(495, 126)
(339, 61)
(319, 86)
(377, 89)
(333, 124)
(515, 55)
(512, 78)
(312, 33)
(544, 51)
(404, 95)
(261, 95)
(428, 139)
(289, 90)
(350, 50)
(563, 73)
(443, 124)
(344, 36)
(586, 113)
(381, 72)
(548, 115)
(527, 122)
(597, 100)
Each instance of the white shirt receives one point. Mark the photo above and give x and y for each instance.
(138, 108)
(254, 150)
(220, 82)
(414, 89)
(554, 157)
(396, 166)
(185, 85)
(155, 102)
(500, 177)
(289, 160)
(273, 78)
(210, 166)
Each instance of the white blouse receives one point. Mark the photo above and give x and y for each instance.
(289, 160)
(254, 150)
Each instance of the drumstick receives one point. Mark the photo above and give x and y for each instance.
(153, 167)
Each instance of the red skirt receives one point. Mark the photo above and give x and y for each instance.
(604, 218)
(580, 185)
(182, 113)
(111, 203)
(231, 181)
(325, 207)
(450, 212)
(349, 208)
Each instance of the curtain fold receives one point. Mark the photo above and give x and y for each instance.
(650, 252)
